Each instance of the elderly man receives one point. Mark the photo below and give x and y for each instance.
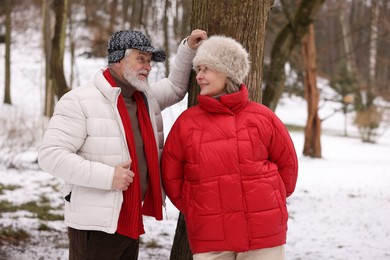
(105, 140)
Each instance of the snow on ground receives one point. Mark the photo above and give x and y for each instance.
(340, 208)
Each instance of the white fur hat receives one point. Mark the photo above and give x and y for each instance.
(225, 55)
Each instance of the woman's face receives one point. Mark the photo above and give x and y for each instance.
(211, 82)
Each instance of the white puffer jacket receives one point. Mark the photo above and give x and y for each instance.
(85, 140)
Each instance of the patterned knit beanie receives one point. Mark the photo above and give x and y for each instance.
(127, 39)
(225, 55)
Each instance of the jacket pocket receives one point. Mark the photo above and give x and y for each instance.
(68, 194)
(73, 199)
(259, 151)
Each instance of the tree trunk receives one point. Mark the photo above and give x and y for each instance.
(7, 82)
(180, 248)
(185, 18)
(125, 13)
(246, 21)
(312, 146)
(72, 49)
(46, 39)
(113, 16)
(347, 39)
(88, 11)
(373, 41)
(133, 19)
(350, 55)
(166, 35)
(58, 46)
(288, 38)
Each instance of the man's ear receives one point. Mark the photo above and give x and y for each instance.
(117, 65)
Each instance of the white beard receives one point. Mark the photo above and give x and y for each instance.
(131, 76)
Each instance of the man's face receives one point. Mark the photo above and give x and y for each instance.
(136, 67)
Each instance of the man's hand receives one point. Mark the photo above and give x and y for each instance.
(123, 177)
(196, 38)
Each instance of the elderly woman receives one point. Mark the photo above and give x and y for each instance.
(229, 163)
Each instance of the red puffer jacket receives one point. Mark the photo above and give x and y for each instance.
(228, 166)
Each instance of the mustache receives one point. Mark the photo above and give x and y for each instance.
(143, 72)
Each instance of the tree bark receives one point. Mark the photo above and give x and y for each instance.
(167, 5)
(46, 39)
(373, 41)
(113, 16)
(246, 21)
(181, 248)
(7, 81)
(288, 38)
(347, 39)
(125, 13)
(58, 46)
(312, 146)
(186, 18)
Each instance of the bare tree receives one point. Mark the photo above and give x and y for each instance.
(58, 47)
(344, 82)
(312, 145)
(373, 50)
(89, 12)
(46, 40)
(347, 39)
(136, 14)
(245, 21)
(181, 21)
(167, 6)
(55, 83)
(383, 57)
(368, 115)
(288, 38)
(72, 47)
(7, 85)
(125, 12)
(113, 15)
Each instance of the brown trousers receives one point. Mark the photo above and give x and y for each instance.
(97, 245)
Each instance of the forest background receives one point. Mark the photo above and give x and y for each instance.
(351, 54)
(350, 38)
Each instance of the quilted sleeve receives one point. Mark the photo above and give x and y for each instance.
(282, 153)
(173, 166)
(169, 91)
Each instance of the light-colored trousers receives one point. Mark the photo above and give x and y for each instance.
(272, 253)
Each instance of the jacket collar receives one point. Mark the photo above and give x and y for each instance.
(102, 84)
(226, 104)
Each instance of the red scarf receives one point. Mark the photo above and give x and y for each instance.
(130, 219)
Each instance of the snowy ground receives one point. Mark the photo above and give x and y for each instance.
(340, 209)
